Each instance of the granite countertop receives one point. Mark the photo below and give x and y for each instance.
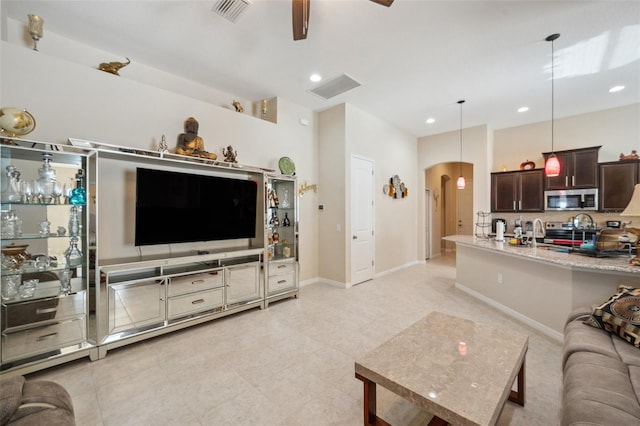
(546, 254)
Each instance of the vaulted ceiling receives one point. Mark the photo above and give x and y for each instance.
(414, 60)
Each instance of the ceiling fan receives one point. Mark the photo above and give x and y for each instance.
(300, 12)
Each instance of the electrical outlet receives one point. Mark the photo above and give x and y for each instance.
(499, 278)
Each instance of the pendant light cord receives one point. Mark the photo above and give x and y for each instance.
(552, 38)
(552, 93)
(460, 134)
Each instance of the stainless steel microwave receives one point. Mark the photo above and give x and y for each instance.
(571, 199)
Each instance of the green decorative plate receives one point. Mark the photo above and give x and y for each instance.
(287, 166)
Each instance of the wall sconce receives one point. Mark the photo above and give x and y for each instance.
(306, 187)
(263, 108)
(35, 29)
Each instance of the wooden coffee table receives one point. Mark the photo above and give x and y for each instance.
(460, 371)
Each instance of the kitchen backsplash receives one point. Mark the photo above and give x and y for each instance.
(566, 216)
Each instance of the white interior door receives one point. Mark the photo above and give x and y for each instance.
(362, 220)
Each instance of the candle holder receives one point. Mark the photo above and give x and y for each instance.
(35, 29)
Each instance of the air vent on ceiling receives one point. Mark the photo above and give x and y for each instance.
(336, 86)
(231, 9)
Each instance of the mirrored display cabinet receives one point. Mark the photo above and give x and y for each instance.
(281, 212)
(45, 316)
(78, 279)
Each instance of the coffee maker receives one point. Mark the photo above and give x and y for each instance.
(496, 220)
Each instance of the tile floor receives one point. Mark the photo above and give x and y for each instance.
(293, 363)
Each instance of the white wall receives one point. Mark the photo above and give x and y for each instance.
(616, 129)
(345, 130)
(332, 175)
(444, 148)
(394, 153)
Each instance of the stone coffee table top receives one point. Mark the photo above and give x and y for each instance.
(456, 369)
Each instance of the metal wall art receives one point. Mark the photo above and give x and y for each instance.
(395, 188)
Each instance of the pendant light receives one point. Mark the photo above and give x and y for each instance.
(552, 166)
(461, 182)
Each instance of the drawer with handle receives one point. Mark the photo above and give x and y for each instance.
(196, 282)
(276, 268)
(280, 283)
(37, 340)
(34, 311)
(195, 302)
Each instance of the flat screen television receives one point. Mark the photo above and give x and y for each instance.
(174, 207)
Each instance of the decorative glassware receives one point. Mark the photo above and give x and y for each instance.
(79, 194)
(47, 180)
(286, 221)
(74, 222)
(285, 200)
(35, 29)
(10, 284)
(11, 193)
(65, 280)
(45, 228)
(26, 189)
(275, 221)
(73, 254)
(66, 191)
(28, 288)
(11, 225)
(57, 192)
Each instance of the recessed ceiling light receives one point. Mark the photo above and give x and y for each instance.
(315, 78)
(523, 109)
(431, 120)
(616, 89)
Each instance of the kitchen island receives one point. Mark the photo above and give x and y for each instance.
(537, 285)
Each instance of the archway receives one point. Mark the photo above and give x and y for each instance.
(451, 209)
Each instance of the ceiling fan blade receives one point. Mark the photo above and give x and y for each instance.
(300, 18)
(383, 2)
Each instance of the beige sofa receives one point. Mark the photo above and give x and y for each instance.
(34, 403)
(601, 376)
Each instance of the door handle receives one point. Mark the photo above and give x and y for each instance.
(355, 237)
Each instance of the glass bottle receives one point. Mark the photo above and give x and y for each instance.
(285, 200)
(74, 222)
(73, 254)
(47, 182)
(79, 194)
(286, 221)
(275, 221)
(11, 193)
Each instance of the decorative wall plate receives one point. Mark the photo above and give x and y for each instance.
(287, 166)
(385, 189)
(16, 122)
(527, 165)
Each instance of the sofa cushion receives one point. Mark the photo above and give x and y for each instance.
(580, 338)
(597, 389)
(10, 398)
(620, 315)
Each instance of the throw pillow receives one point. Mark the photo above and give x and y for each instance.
(620, 315)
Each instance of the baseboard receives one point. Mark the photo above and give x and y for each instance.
(397, 268)
(555, 335)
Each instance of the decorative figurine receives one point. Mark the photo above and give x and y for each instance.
(632, 156)
(113, 67)
(189, 143)
(163, 148)
(237, 106)
(229, 154)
